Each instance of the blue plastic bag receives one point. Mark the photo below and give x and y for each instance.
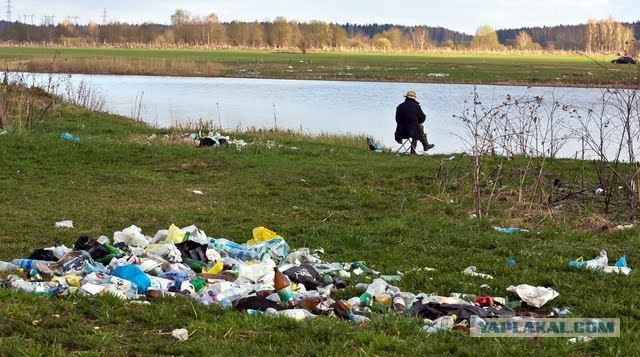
(134, 275)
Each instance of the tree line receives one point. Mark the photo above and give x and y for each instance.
(281, 33)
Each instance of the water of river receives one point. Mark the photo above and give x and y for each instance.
(311, 106)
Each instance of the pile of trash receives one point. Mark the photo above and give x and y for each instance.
(202, 139)
(262, 276)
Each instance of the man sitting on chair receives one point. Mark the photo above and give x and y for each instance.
(410, 119)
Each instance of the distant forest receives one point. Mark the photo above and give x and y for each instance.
(188, 30)
(562, 37)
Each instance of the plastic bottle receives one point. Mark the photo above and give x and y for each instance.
(106, 259)
(27, 264)
(327, 279)
(195, 265)
(70, 137)
(377, 287)
(360, 319)
(4, 266)
(221, 299)
(383, 299)
(297, 314)
(198, 283)
(33, 287)
(283, 287)
(177, 276)
(367, 299)
(158, 283)
(399, 304)
(235, 250)
(186, 286)
(237, 291)
(120, 283)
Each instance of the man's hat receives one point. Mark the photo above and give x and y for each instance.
(411, 95)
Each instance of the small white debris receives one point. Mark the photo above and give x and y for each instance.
(197, 192)
(64, 224)
(580, 339)
(471, 271)
(180, 334)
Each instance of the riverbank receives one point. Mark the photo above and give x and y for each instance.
(329, 192)
(541, 70)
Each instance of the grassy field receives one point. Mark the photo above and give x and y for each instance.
(395, 212)
(435, 68)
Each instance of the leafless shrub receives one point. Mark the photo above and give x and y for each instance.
(84, 94)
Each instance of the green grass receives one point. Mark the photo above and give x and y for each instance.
(459, 68)
(331, 193)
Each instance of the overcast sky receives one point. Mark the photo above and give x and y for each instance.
(460, 15)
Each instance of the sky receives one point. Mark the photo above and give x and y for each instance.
(460, 15)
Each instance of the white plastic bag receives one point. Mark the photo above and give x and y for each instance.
(132, 236)
(196, 235)
(534, 296)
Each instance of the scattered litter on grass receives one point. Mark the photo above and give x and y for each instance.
(373, 146)
(198, 192)
(64, 224)
(511, 261)
(580, 339)
(4, 132)
(534, 296)
(261, 276)
(601, 263)
(624, 227)
(438, 74)
(561, 312)
(471, 271)
(510, 230)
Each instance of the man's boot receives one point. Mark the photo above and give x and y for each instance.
(425, 145)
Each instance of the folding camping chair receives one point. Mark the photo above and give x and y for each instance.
(405, 147)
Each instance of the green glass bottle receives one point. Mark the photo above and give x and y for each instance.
(195, 265)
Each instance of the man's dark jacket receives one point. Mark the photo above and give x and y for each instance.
(409, 116)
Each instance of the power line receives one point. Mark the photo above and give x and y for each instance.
(26, 16)
(69, 18)
(49, 20)
(104, 16)
(9, 8)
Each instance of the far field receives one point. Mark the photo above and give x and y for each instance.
(523, 69)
